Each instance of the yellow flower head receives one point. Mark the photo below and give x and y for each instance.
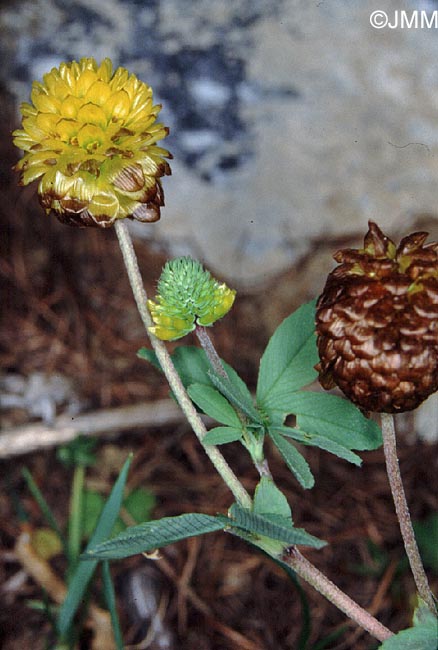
(90, 136)
(187, 296)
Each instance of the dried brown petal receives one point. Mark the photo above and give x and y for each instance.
(377, 323)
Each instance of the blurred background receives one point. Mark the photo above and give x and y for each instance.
(291, 124)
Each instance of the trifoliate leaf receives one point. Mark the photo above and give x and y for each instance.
(289, 359)
(222, 435)
(293, 459)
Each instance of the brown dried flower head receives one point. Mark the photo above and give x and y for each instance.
(377, 323)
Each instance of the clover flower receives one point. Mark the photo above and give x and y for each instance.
(89, 136)
(187, 296)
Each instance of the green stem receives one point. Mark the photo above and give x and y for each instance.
(131, 264)
(327, 588)
(76, 514)
(402, 510)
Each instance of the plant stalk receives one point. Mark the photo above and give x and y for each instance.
(76, 516)
(308, 572)
(134, 275)
(402, 510)
(210, 351)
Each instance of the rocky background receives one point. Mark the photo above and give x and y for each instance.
(292, 122)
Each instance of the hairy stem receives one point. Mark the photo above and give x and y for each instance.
(402, 510)
(327, 588)
(222, 467)
(210, 351)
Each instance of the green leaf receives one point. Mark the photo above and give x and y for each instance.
(426, 533)
(293, 459)
(140, 503)
(269, 500)
(92, 506)
(149, 355)
(332, 417)
(232, 390)
(267, 527)
(44, 506)
(79, 451)
(154, 534)
(110, 598)
(222, 435)
(214, 404)
(290, 356)
(422, 636)
(85, 570)
(311, 439)
(193, 367)
(190, 362)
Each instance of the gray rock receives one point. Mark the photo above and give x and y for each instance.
(290, 121)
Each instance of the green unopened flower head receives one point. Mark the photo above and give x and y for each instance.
(187, 296)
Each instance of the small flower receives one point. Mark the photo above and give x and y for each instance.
(90, 136)
(377, 323)
(187, 296)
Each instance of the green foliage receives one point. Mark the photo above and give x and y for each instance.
(289, 359)
(237, 392)
(322, 420)
(84, 571)
(222, 435)
(270, 527)
(331, 417)
(426, 533)
(259, 528)
(78, 452)
(152, 535)
(138, 504)
(422, 636)
(44, 507)
(110, 598)
(269, 500)
(293, 459)
(211, 402)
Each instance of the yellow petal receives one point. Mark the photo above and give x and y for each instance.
(67, 129)
(90, 136)
(47, 122)
(92, 114)
(85, 81)
(98, 93)
(70, 106)
(105, 70)
(32, 173)
(119, 79)
(104, 204)
(46, 103)
(55, 183)
(118, 105)
(84, 187)
(56, 86)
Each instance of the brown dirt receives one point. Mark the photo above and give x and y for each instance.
(66, 307)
